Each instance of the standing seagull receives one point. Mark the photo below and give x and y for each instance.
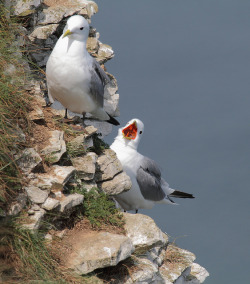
(74, 78)
(148, 187)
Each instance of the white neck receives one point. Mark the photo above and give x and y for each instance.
(70, 47)
(120, 142)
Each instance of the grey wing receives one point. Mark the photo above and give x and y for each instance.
(149, 180)
(97, 82)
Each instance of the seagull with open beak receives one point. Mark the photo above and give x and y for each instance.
(148, 187)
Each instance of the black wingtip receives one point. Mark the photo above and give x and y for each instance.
(180, 194)
(113, 120)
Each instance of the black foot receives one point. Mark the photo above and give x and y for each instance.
(136, 211)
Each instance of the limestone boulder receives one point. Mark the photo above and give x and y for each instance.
(143, 232)
(70, 201)
(56, 146)
(117, 185)
(35, 218)
(28, 159)
(85, 166)
(144, 272)
(24, 8)
(36, 114)
(43, 32)
(108, 166)
(177, 264)
(50, 204)
(97, 250)
(36, 195)
(53, 180)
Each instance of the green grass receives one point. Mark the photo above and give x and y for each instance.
(100, 209)
(13, 107)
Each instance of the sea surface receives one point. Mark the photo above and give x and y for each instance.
(183, 68)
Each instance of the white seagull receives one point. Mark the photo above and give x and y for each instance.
(148, 187)
(75, 78)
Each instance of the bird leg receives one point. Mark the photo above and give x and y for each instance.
(66, 113)
(136, 211)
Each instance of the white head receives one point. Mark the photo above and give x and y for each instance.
(131, 133)
(77, 28)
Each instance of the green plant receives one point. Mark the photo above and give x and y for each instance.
(100, 209)
(98, 144)
(13, 106)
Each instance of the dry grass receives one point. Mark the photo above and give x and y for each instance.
(13, 108)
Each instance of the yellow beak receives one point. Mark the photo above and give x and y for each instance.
(68, 32)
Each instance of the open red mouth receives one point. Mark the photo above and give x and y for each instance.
(130, 131)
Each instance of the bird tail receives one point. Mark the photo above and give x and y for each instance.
(112, 120)
(180, 194)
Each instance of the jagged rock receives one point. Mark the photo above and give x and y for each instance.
(118, 184)
(144, 272)
(56, 12)
(198, 273)
(85, 165)
(56, 146)
(54, 180)
(143, 232)
(82, 142)
(36, 195)
(105, 53)
(92, 44)
(50, 204)
(43, 32)
(36, 114)
(18, 205)
(35, 218)
(107, 166)
(177, 263)
(97, 250)
(70, 201)
(28, 159)
(104, 128)
(24, 8)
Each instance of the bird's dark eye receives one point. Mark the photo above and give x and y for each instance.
(140, 132)
(81, 28)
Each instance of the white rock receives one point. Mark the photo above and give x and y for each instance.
(43, 32)
(36, 114)
(118, 184)
(50, 204)
(54, 180)
(23, 8)
(97, 250)
(144, 272)
(104, 128)
(111, 105)
(143, 232)
(71, 201)
(56, 146)
(199, 272)
(35, 219)
(176, 262)
(85, 165)
(108, 165)
(28, 159)
(36, 195)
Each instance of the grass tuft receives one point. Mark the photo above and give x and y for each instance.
(13, 107)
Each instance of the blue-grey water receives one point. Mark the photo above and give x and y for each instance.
(183, 68)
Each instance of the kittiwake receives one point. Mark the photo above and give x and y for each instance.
(74, 78)
(148, 187)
